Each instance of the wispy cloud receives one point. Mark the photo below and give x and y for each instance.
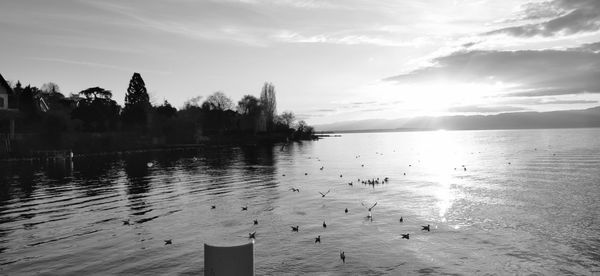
(485, 109)
(557, 17)
(347, 39)
(96, 65)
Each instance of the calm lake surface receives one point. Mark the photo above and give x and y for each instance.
(528, 202)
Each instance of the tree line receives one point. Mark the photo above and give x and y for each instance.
(47, 111)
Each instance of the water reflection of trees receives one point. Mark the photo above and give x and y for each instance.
(18, 180)
(95, 175)
(137, 171)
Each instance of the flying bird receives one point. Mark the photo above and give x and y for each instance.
(252, 235)
(425, 227)
(324, 194)
(255, 222)
(169, 241)
(401, 219)
(342, 256)
(245, 208)
(324, 225)
(369, 208)
(294, 189)
(405, 236)
(318, 239)
(295, 228)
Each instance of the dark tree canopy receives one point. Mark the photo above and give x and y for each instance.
(98, 111)
(166, 110)
(248, 105)
(137, 101)
(96, 93)
(218, 101)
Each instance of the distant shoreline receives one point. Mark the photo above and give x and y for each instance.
(329, 132)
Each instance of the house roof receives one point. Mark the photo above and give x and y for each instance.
(4, 84)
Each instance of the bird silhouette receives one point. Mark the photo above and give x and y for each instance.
(295, 228)
(405, 236)
(321, 168)
(252, 235)
(305, 173)
(343, 256)
(150, 164)
(425, 227)
(324, 225)
(318, 239)
(350, 183)
(245, 208)
(324, 194)
(169, 241)
(369, 208)
(294, 189)
(126, 222)
(346, 211)
(213, 207)
(341, 175)
(401, 219)
(255, 222)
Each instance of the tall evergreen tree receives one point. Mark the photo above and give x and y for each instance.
(137, 102)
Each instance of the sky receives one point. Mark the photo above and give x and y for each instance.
(329, 60)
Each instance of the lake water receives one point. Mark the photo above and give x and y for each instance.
(528, 202)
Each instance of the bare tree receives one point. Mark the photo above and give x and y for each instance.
(268, 103)
(50, 88)
(193, 102)
(218, 101)
(287, 118)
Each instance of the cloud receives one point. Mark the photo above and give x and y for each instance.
(347, 38)
(558, 17)
(545, 101)
(95, 65)
(524, 73)
(485, 109)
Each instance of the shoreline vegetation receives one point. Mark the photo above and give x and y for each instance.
(43, 120)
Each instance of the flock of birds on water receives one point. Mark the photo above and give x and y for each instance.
(371, 182)
(296, 228)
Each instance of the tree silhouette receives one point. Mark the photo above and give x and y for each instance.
(193, 102)
(50, 88)
(218, 101)
(98, 111)
(137, 102)
(93, 93)
(287, 118)
(268, 104)
(248, 105)
(166, 110)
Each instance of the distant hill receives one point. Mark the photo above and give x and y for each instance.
(518, 120)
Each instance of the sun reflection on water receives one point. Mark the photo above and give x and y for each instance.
(441, 153)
